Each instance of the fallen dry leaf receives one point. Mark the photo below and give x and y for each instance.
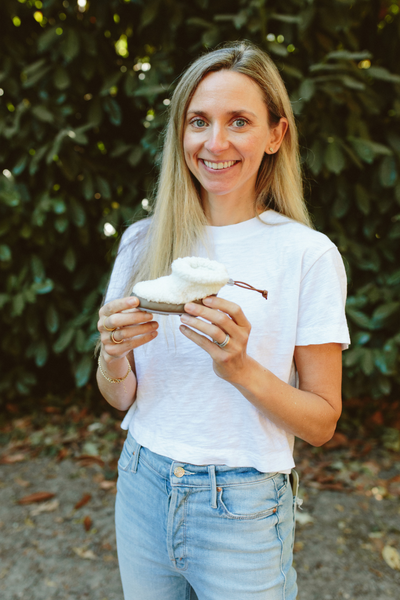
(338, 440)
(13, 458)
(391, 557)
(298, 546)
(109, 558)
(49, 506)
(22, 482)
(87, 523)
(87, 460)
(107, 485)
(36, 497)
(83, 553)
(62, 454)
(106, 546)
(22, 423)
(84, 500)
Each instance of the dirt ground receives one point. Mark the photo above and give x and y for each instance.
(63, 547)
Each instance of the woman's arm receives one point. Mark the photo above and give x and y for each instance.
(311, 412)
(130, 330)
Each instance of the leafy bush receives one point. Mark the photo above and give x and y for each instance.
(84, 95)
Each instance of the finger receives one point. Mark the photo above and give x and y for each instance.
(230, 308)
(213, 350)
(116, 306)
(120, 350)
(118, 336)
(214, 332)
(217, 317)
(119, 320)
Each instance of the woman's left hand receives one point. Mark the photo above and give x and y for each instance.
(222, 318)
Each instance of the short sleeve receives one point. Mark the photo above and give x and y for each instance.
(128, 253)
(321, 318)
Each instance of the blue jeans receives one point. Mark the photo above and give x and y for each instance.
(189, 532)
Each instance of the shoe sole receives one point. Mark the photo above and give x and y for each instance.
(162, 308)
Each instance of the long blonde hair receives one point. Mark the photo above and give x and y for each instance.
(178, 219)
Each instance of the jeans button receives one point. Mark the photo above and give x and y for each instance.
(179, 472)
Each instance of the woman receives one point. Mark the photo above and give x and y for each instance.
(204, 506)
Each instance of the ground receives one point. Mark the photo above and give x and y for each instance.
(61, 544)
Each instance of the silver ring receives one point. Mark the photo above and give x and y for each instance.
(224, 343)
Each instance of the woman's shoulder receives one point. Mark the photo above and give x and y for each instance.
(297, 235)
(135, 232)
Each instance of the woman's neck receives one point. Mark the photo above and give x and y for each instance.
(228, 209)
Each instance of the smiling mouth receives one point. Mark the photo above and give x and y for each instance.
(218, 166)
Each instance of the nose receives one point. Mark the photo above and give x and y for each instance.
(217, 141)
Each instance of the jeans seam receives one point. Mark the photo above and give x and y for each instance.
(256, 516)
(142, 459)
(281, 554)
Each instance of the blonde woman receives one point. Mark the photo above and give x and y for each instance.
(205, 507)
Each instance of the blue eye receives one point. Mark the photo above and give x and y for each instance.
(240, 122)
(198, 122)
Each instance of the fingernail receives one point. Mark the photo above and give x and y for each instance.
(208, 301)
(190, 307)
(184, 319)
(134, 301)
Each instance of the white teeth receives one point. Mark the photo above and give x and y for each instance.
(220, 165)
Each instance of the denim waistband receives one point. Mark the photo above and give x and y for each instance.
(179, 473)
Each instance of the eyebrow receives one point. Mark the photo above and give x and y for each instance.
(232, 113)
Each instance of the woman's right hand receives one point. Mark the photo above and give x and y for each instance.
(128, 325)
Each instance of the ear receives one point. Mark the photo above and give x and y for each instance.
(276, 135)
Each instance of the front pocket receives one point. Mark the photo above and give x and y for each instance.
(251, 501)
(126, 457)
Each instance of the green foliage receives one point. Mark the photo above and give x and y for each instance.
(84, 97)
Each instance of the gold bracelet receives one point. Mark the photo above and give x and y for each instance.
(117, 379)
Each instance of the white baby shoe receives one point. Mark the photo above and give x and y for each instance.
(192, 279)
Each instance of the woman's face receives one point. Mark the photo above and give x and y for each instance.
(227, 133)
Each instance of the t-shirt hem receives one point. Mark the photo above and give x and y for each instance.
(311, 337)
(279, 462)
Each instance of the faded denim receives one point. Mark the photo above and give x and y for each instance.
(212, 533)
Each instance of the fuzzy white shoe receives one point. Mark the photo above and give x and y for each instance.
(192, 279)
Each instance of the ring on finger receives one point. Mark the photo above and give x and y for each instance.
(224, 343)
(113, 338)
(104, 325)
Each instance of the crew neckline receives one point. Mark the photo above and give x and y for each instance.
(244, 228)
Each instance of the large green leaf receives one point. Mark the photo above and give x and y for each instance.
(64, 340)
(334, 158)
(388, 172)
(61, 78)
(83, 370)
(52, 319)
(70, 45)
(42, 112)
(367, 150)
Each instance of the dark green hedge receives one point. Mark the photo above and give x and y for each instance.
(83, 102)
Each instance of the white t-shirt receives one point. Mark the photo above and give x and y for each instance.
(183, 410)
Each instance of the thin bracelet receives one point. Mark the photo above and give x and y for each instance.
(110, 379)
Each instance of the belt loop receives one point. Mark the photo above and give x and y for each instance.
(135, 457)
(213, 486)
